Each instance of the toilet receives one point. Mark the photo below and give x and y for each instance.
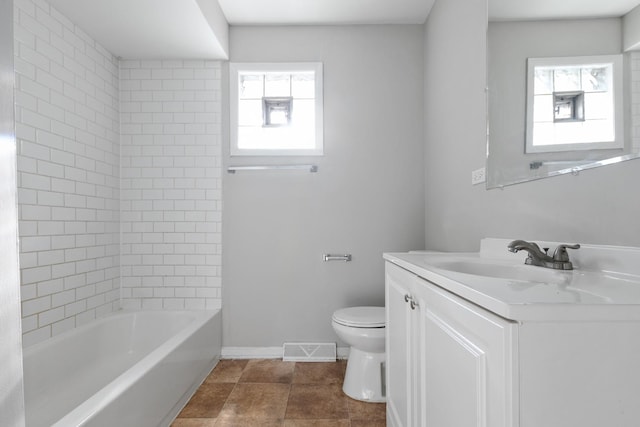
(363, 329)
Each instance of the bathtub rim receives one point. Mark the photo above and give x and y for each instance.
(28, 350)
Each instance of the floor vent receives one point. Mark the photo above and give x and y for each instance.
(309, 352)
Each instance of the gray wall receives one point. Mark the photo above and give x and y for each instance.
(11, 389)
(367, 197)
(597, 206)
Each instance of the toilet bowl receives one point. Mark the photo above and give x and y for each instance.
(363, 329)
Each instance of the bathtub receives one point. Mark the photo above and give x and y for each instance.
(131, 368)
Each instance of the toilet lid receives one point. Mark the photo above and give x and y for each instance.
(360, 317)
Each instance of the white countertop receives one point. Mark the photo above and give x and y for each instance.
(597, 293)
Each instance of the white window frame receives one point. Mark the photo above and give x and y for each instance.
(236, 68)
(616, 62)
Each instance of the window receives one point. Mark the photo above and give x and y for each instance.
(574, 103)
(276, 109)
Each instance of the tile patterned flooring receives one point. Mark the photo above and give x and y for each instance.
(270, 393)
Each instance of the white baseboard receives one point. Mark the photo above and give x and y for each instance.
(265, 352)
(343, 352)
(251, 352)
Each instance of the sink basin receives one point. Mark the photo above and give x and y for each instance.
(605, 282)
(503, 270)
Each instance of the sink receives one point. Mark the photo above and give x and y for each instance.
(566, 285)
(502, 269)
(605, 282)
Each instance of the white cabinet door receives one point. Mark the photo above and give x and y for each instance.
(449, 363)
(399, 341)
(467, 371)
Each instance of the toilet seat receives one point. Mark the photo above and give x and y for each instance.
(360, 317)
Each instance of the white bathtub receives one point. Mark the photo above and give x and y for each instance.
(131, 368)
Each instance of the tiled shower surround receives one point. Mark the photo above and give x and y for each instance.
(171, 184)
(68, 163)
(119, 163)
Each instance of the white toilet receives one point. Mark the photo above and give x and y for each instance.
(363, 329)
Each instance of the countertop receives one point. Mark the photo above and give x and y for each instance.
(548, 295)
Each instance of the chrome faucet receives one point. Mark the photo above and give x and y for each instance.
(559, 260)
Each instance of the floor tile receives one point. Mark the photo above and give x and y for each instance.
(368, 423)
(319, 372)
(316, 423)
(207, 401)
(262, 401)
(268, 371)
(273, 393)
(309, 401)
(247, 422)
(366, 410)
(227, 371)
(194, 422)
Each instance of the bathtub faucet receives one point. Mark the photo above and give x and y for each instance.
(559, 260)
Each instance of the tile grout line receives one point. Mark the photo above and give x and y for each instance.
(286, 407)
(293, 376)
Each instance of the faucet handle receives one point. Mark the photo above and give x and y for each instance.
(560, 254)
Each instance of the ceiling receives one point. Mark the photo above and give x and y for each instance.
(305, 12)
(152, 29)
(308, 12)
(509, 10)
(147, 29)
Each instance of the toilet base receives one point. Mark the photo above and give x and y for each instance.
(363, 379)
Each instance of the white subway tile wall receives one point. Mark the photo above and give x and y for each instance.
(635, 100)
(67, 127)
(82, 119)
(171, 184)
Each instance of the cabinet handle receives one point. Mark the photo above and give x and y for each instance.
(409, 298)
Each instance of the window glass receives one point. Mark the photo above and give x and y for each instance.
(251, 86)
(276, 84)
(574, 103)
(276, 109)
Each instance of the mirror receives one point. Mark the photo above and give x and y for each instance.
(546, 32)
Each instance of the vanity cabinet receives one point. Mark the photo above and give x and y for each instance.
(467, 350)
(402, 350)
(449, 362)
